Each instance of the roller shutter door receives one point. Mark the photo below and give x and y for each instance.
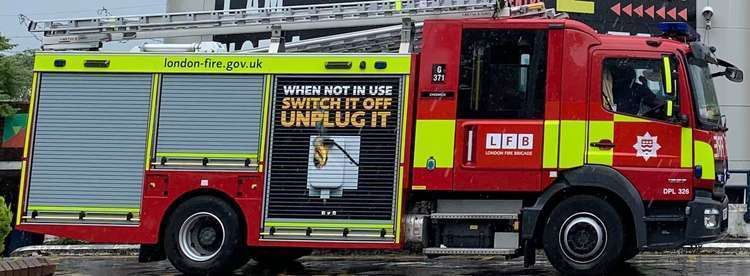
(90, 141)
(210, 116)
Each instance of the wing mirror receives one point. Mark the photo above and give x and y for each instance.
(734, 74)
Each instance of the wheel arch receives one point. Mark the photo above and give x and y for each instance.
(155, 252)
(602, 181)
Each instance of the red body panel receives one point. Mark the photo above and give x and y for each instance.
(503, 152)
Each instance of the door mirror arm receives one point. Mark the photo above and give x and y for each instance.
(681, 119)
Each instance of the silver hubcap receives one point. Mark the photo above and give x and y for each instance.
(583, 237)
(201, 236)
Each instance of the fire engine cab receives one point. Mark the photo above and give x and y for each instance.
(499, 136)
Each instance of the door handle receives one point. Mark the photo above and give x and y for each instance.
(470, 145)
(604, 144)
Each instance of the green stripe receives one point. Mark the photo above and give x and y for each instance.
(206, 155)
(629, 119)
(434, 139)
(686, 149)
(704, 157)
(152, 119)
(551, 143)
(572, 143)
(668, 74)
(601, 130)
(76, 209)
(327, 225)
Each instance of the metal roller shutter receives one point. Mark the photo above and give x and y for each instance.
(357, 178)
(210, 115)
(90, 141)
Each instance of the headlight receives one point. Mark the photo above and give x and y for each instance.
(711, 218)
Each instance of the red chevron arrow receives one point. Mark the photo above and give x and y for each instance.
(683, 14)
(660, 12)
(628, 10)
(616, 9)
(672, 13)
(650, 11)
(639, 10)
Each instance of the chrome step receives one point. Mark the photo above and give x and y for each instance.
(468, 251)
(473, 216)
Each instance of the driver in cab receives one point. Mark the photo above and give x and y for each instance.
(628, 95)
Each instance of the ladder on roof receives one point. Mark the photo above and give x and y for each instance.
(91, 33)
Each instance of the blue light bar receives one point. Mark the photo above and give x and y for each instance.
(679, 30)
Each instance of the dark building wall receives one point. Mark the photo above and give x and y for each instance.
(629, 16)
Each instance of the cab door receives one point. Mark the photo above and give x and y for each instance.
(500, 110)
(635, 124)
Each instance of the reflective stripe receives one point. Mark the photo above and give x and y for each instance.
(629, 119)
(398, 204)
(26, 144)
(668, 74)
(434, 139)
(572, 143)
(601, 130)
(704, 157)
(227, 63)
(152, 119)
(551, 144)
(686, 148)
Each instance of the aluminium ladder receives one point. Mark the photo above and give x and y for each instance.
(91, 33)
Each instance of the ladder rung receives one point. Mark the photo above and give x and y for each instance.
(58, 33)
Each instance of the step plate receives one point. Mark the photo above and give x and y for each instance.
(468, 251)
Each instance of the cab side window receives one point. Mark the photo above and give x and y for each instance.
(637, 87)
(502, 74)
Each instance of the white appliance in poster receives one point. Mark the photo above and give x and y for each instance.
(333, 165)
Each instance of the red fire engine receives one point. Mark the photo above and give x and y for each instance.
(500, 137)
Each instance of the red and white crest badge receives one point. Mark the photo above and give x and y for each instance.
(647, 146)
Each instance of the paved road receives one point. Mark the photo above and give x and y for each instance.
(661, 265)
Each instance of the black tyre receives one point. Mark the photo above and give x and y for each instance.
(583, 236)
(204, 236)
(278, 256)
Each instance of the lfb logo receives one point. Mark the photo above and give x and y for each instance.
(510, 141)
(647, 146)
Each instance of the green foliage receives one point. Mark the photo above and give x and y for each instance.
(5, 221)
(15, 76)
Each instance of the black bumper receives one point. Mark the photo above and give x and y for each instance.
(696, 231)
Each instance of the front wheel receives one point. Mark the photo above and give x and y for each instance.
(583, 236)
(204, 236)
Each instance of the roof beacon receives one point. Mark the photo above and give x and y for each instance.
(679, 31)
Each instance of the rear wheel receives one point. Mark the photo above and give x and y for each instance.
(583, 236)
(204, 236)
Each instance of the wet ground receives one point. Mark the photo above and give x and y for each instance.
(651, 264)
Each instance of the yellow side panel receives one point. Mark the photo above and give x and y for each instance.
(551, 144)
(26, 146)
(572, 143)
(600, 130)
(434, 139)
(704, 157)
(152, 119)
(629, 119)
(229, 64)
(686, 149)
